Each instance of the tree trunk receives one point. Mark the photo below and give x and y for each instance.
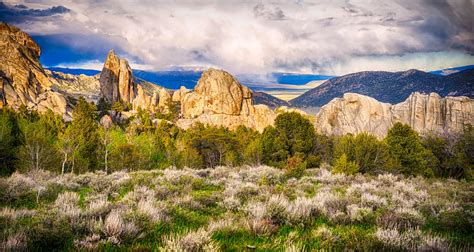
(106, 160)
(72, 168)
(64, 163)
(37, 159)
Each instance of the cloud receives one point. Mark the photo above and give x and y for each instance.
(21, 13)
(327, 37)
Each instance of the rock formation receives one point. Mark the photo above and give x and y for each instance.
(76, 85)
(219, 99)
(116, 80)
(179, 94)
(118, 85)
(354, 113)
(23, 80)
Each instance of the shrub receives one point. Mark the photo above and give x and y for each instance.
(295, 167)
(199, 240)
(342, 165)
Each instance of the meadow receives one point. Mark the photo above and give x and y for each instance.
(233, 209)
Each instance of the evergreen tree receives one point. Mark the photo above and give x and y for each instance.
(405, 147)
(85, 127)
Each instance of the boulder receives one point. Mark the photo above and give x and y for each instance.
(355, 113)
(219, 99)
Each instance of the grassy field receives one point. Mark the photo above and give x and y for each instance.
(234, 209)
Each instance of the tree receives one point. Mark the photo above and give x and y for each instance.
(67, 144)
(253, 152)
(369, 153)
(293, 134)
(405, 147)
(298, 132)
(463, 165)
(8, 141)
(85, 127)
(343, 165)
(37, 151)
(274, 147)
(118, 107)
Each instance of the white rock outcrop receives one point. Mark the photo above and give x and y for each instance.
(355, 113)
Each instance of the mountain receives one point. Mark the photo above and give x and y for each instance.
(452, 70)
(355, 113)
(392, 87)
(269, 100)
(74, 71)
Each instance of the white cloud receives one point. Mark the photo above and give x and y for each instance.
(330, 37)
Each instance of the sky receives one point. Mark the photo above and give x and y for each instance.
(329, 37)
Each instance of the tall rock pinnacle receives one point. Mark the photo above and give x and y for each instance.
(116, 80)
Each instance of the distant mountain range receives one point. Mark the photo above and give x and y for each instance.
(391, 87)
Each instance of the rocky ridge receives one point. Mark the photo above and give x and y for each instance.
(425, 113)
(23, 80)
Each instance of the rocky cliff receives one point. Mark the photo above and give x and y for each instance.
(22, 78)
(117, 84)
(355, 113)
(219, 99)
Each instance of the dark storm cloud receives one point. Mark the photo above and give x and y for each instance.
(449, 23)
(20, 13)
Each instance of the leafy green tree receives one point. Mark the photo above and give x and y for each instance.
(67, 145)
(293, 134)
(369, 153)
(253, 152)
(38, 150)
(274, 147)
(298, 132)
(463, 165)
(123, 153)
(343, 165)
(85, 127)
(118, 107)
(405, 147)
(8, 141)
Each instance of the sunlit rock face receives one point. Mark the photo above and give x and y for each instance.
(116, 80)
(117, 84)
(425, 113)
(23, 80)
(219, 99)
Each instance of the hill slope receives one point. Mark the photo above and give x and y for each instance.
(269, 100)
(391, 87)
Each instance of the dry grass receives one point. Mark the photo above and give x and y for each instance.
(193, 207)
